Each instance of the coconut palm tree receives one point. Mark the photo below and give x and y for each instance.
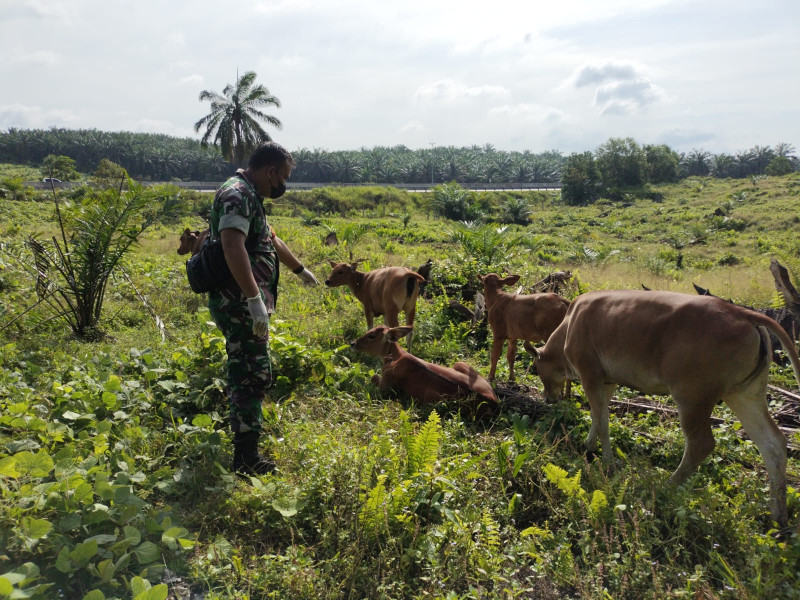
(233, 123)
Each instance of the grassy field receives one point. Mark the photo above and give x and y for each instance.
(114, 455)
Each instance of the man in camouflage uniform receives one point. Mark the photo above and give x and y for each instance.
(242, 307)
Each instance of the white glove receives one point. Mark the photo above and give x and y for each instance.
(308, 277)
(260, 317)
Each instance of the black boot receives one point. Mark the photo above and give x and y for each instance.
(246, 459)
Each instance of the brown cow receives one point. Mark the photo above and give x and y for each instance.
(384, 291)
(513, 317)
(191, 241)
(699, 349)
(423, 381)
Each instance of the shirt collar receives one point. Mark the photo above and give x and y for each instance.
(243, 174)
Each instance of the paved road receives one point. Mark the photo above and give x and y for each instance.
(210, 186)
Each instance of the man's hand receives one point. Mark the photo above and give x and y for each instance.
(308, 277)
(260, 317)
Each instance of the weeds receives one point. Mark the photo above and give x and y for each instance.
(114, 456)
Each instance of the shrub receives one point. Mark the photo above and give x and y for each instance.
(452, 201)
(580, 180)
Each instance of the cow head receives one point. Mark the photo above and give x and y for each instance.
(342, 273)
(380, 340)
(493, 282)
(551, 368)
(187, 241)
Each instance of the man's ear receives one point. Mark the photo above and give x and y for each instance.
(396, 333)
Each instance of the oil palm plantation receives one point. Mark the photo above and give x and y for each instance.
(233, 123)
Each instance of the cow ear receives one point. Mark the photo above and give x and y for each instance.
(481, 278)
(510, 280)
(333, 263)
(187, 231)
(396, 333)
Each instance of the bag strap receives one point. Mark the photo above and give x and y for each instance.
(260, 203)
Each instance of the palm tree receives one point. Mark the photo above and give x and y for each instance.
(233, 122)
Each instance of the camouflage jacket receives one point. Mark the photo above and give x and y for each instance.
(237, 205)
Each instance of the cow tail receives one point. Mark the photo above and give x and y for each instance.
(412, 283)
(764, 354)
(765, 323)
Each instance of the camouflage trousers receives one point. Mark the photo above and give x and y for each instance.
(249, 365)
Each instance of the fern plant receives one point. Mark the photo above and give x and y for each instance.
(423, 448)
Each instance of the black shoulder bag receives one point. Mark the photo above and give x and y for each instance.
(208, 270)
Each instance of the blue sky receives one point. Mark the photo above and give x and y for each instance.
(520, 75)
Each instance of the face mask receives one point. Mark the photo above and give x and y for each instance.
(277, 192)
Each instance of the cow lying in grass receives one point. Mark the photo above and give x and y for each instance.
(512, 317)
(699, 349)
(191, 241)
(424, 382)
(384, 291)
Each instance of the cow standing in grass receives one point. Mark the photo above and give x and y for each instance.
(698, 349)
(192, 241)
(512, 317)
(385, 291)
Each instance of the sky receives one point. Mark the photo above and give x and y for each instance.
(567, 75)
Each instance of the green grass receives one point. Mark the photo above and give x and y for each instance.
(373, 498)
(23, 172)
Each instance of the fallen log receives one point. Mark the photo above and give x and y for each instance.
(786, 393)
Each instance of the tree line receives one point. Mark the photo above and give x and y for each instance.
(621, 163)
(618, 163)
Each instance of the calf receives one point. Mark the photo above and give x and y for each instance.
(513, 317)
(699, 349)
(384, 291)
(192, 241)
(423, 381)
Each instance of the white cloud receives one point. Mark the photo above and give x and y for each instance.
(277, 7)
(598, 74)
(534, 113)
(624, 97)
(38, 8)
(176, 39)
(180, 65)
(621, 87)
(289, 62)
(412, 127)
(39, 58)
(34, 117)
(449, 90)
(191, 80)
(160, 126)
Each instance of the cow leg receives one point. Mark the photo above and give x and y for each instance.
(599, 396)
(751, 409)
(497, 348)
(370, 318)
(390, 318)
(511, 355)
(695, 418)
(410, 314)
